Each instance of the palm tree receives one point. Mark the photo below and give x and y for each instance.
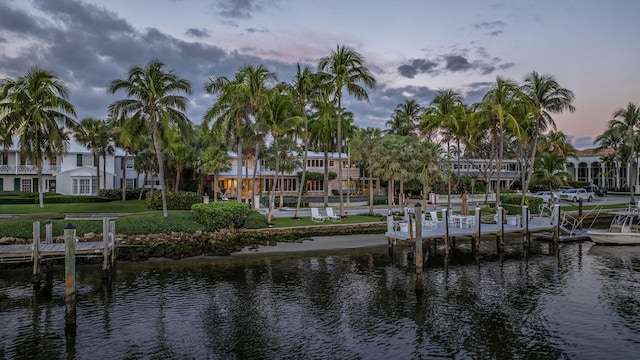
(129, 136)
(545, 97)
(429, 155)
(95, 135)
(213, 159)
(303, 89)
(322, 130)
(278, 115)
(362, 147)
(444, 114)
(549, 170)
(627, 121)
(348, 71)
(500, 104)
(404, 118)
(386, 164)
(37, 111)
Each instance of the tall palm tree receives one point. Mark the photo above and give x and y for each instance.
(214, 160)
(404, 119)
(545, 97)
(429, 155)
(153, 98)
(322, 131)
(362, 147)
(386, 164)
(129, 136)
(278, 115)
(348, 71)
(37, 112)
(303, 90)
(444, 114)
(627, 121)
(501, 105)
(95, 135)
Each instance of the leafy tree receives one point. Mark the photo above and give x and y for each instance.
(153, 99)
(545, 97)
(36, 111)
(405, 118)
(549, 170)
(362, 146)
(348, 71)
(95, 134)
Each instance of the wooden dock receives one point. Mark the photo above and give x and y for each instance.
(40, 250)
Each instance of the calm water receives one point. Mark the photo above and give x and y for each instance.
(580, 302)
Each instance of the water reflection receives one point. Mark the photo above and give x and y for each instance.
(574, 301)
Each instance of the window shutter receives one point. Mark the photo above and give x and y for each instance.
(1, 184)
(79, 159)
(34, 185)
(16, 184)
(95, 161)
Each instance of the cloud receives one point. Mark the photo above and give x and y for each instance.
(453, 63)
(494, 28)
(197, 33)
(242, 9)
(417, 66)
(254, 30)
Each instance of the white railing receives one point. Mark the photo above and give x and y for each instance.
(28, 169)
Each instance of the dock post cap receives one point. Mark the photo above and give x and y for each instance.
(70, 226)
(418, 204)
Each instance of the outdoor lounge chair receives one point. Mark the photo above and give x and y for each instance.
(427, 224)
(331, 215)
(315, 215)
(434, 216)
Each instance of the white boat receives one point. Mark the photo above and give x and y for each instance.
(624, 230)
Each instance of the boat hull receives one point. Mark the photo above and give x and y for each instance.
(614, 238)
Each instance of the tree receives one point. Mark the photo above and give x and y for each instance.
(386, 165)
(153, 99)
(549, 170)
(404, 119)
(444, 114)
(348, 71)
(37, 112)
(363, 144)
(500, 105)
(129, 136)
(627, 122)
(545, 97)
(95, 135)
(278, 115)
(213, 159)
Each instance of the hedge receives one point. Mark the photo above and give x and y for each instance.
(255, 220)
(116, 194)
(511, 203)
(220, 215)
(53, 199)
(182, 200)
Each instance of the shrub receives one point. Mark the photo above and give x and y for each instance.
(220, 215)
(116, 194)
(511, 203)
(255, 220)
(156, 223)
(175, 201)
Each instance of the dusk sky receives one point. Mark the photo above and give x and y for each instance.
(412, 47)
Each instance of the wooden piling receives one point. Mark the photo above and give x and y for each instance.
(445, 222)
(112, 234)
(476, 244)
(418, 241)
(556, 223)
(36, 252)
(48, 229)
(105, 248)
(390, 230)
(70, 274)
(500, 236)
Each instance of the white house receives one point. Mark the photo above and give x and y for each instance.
(74, 173)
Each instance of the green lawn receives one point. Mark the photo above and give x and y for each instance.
(306, 221)
(129, 206)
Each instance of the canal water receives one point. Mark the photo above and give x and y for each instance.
(577, 301)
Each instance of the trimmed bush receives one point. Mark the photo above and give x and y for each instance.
(511, 203)
(116, 194)
(157, 224)
(255, 220)
(182, 200)
(220, 215)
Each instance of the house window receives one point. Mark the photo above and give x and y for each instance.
(315, 185)
(25, 185)
(315, 163)
(330, 163)
(129, 164)
(83, 186)
(131, 183)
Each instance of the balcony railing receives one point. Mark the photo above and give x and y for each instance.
(28, 169)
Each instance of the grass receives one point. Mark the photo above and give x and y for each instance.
(129, 206)
(306, 221)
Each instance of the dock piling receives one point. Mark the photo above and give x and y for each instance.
(70, 274)
(36, 252)
(418, 241)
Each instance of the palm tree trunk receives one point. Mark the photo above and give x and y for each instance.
(215, 187)
(275, 179)
(529, 169)
(124, 175)
(326, 176)
(254, 184)
(156, 146)
(370, 193)
(40, 185)
(239, 170)
(340, 155)
(104, 172)
(302, 179)
(401, 196)
(281, 184)
(144, 180)
(96, 157)
(499, 172)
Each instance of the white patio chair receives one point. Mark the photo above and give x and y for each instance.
(331, 215)
(315, 215)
